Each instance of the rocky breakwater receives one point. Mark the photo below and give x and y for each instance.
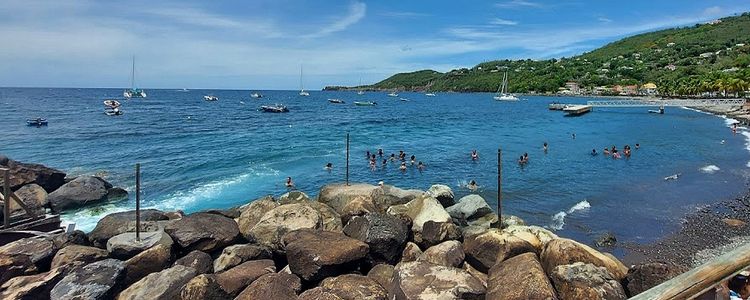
(352, 242)
(41, 188)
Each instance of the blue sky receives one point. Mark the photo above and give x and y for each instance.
(260, 44)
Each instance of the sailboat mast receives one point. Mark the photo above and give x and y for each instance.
(132, 75)
(301, 85)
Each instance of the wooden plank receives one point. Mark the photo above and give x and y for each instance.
(695, 282)
(6, 191)
(20, 203)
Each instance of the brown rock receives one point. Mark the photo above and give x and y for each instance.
(448, 253)
(314, 255)
(734, 222)
(234, 280)
(358, 206)
(126, 245)
(586, 281)
(33, 286)
(645, 276)
(434, 233)
(198, 260)
(337, 196)
(203, 287)
(354, 287)
(40, 250)
(411, 252)
(15, 265)
(478, 275)
(420, 210)
(202, 231)
(73, 253)
(163, 285)
(33, 196)
(152, 260)
(519, 278)
(236, 254)
(22, 174)
(383, 274)
(487, 249)
(283, 219)
(565, 251)
(293, 197)
(318, 293)
(272, 286)
(331, 219)
(423, 280)
(252, 213)
(98, 280)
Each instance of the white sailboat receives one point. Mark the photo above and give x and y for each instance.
(133, 92)
(301, 85)
(502, 91)
(360, 92)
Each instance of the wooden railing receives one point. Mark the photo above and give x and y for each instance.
(9, 196)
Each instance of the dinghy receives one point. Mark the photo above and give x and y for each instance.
(111, 103)
(278, 108)
(210, 98)
(337, 101)
(367, 103)
(38, 122)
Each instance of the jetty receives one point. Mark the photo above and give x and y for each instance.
(577, 110)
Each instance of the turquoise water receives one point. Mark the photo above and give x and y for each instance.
(197, 155)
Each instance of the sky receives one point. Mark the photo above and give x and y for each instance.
(263, 44)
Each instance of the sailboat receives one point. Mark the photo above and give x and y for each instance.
(360, 92)
(502, 91)
(301, 85)
(133, 92)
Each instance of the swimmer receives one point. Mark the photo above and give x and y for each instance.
(289, 183)
(525, 157)
(474, 155)
(380, 152)
(420, 166)
(472, 186)
(545, 147)
(521, 161)
(574, 136)
(385, 162)
(637, 146)
(403, 166)
(381, 184)
(593, 152)
(329, 166)
(615, 154)
(606, 151)
(722, 142)
(393, 157)
(367, 155)
(413, 160)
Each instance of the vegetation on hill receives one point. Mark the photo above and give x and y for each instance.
(711, 57)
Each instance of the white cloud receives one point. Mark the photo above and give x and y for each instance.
(357, 11)
(712, 11)
(499, 21)
(404, 14)
(518, 3)
(604, 20)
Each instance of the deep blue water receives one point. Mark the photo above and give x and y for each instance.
(197, 155)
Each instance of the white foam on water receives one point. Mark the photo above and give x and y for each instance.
(710, 169)
(558, 220)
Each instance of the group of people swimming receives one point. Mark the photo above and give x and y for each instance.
(373, 159)
(626, 151)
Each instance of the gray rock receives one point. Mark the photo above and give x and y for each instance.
(586, 281)
(73, 253)
(395, 196)
(198, 260)
(33, 196)
(98, 280)
(420, 210)
(40, 251)
(385, 234)
(35, 286)
(330, 218)
(236, 254)
(382, 274)
(116, 193)
(81, 191)
(252, 213)
(125, 245)
(283, 219)
(424, 280)
(434, 233)
(443, 194)
(469, 208)
(202, 231)
(117, 223)
(164, 285)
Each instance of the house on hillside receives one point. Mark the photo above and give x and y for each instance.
(629, 90)
(706, 55)
(649, 89)
(573, 87)
(670, 44)
(671, 67)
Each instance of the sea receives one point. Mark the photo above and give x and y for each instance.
(197, 155)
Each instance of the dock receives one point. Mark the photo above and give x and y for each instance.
(576, 110)
(557, 106)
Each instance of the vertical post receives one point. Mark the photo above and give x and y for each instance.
(137, 202)
(6, 197)
(347, 159)
(500, 187)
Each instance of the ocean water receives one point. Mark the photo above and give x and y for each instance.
(197, 155)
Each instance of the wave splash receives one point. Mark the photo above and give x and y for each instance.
(710, 169)
(558, 220)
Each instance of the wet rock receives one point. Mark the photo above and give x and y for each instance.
(509, 220)
(236, 254)
(98, 280)
(234, 280)
(318, 293)
(565, 251)
(520, 278)
(272, 286)
(354, 287)
(469, 208)
(443, 194)
(33, 196)
(338, 196)
(423, 280)
(642, 277)
(163, 285)
(283, 219)
(203, 287)
(231, 213)
(314, 255)
(385, 234)
(293, 197)
(36, 286)
(40, 251)
(81, 191)
(382, 274)
(606, 240)
(76, 237)
(117, 223)
(22, 174)
(73, 253)
(116, 193)
(449, 254)
(125, 245)
(586, 281)
(149, 261)
(434, 233)
(411, 252)
(487, 249)
(204, 232)
(198, 260)
(420, 210)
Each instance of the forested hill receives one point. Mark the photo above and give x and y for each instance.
(689, 60)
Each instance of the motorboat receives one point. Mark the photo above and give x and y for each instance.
(256, 95)
(365, 103)
(277, 108)
(393, 94)
(337, 101)
(133, 92)
(210, 98)
(38, 122)
(113, 111)
(502, 94)
(111, 103)
(430, 95)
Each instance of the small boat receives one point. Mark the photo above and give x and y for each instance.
(256, 95)
(557, 106)
(210, 98)
(111, 103)
(113, 112)
(502, 94)
(361, 93)
(337, 101)
(393, 94)
(655, 111)
(38, 122)
(365, 103)
(183, 90)
(404, 99)
(430, 95)
(277, 108)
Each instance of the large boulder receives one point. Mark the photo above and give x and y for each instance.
(482, 277)
(424, 280)
(125, 245)
(420, 210)
(642, 277)
(411, 252)
(76, 237)
(535, 235)
(15, 265)
(33, 196)
(318, 293)
(252, 213)
(234, 280)
(314, 255)
(385, 234)
(434, 233)
(330, 218)
(382, 274)
(469, 208)
(448, 253)
(22, 174)
(149, 261)
(202, 231)
(354, 287)
(163, 285)
(293, 197)
(81, 191)
(36, 286)
(40, 251)
(565, 251)
(443, 194)
(338, 196)
(283, 219)
(358, 206)
(203, 287)
(586, 281)
(272, 286)
(236, 254)
(520, 278)
(494, 246)
(117, 223)
(98, 280)
(73, 253)
(395, 196)
(198, 260)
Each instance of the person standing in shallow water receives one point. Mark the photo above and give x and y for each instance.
(380, 152)
(474, 155)
(289, 183)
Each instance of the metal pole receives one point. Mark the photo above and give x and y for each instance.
(347, 158)
(500, 187)
(137, 202)
(6, 197)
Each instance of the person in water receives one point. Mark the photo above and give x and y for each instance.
(401, 155)
(574, 135)
(385, 162)
(367, 155)
(289, 182)
(615, 154)
(403, 166)
(420, 166)
(472, 185)
(413, 160)
(606, 151)
(521, 161)
(626, 150)
(525, 157)
(545, 147)
(380, 152)
(593, 152)
(474, 155)
(393, 157)
(637, 146)
(329, 166)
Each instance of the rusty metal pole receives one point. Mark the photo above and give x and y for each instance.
(347, 158)
(6, 198)
(500, 187)
(137, 202)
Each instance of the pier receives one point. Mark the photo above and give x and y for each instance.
(576, 110)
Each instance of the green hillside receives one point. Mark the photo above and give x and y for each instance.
(690, 60)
